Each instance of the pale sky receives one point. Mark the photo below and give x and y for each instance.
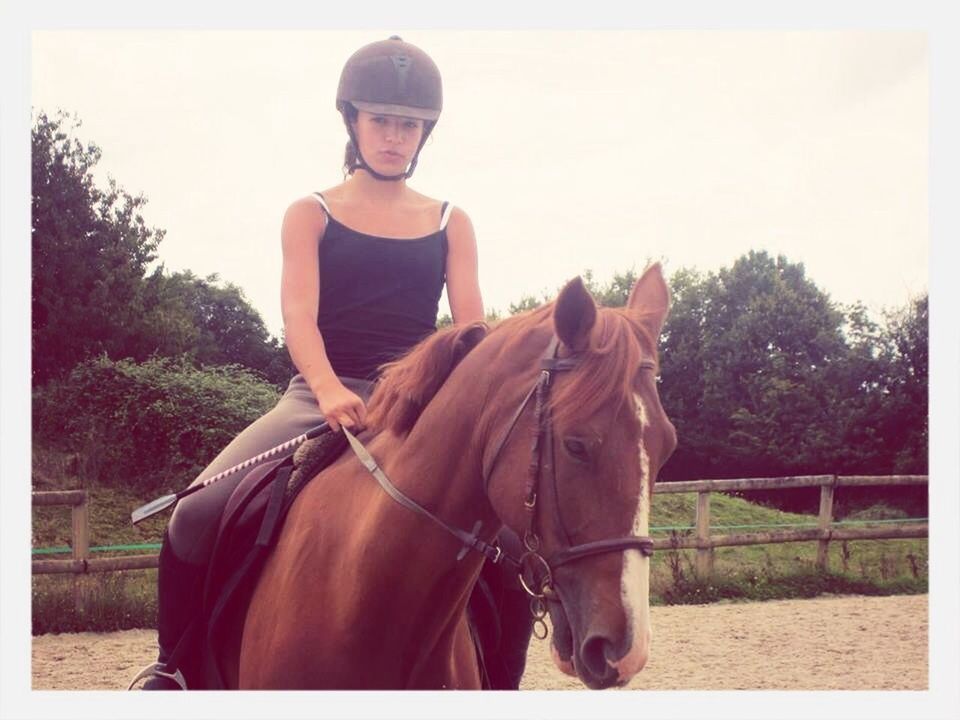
(568, 149)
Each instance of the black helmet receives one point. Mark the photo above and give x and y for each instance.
(389, 77)
(392, 77)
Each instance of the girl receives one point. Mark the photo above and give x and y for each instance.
(364, 264)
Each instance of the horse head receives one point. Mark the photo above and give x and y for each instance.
(607, 437)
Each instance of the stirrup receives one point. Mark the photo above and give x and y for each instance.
(155, 669)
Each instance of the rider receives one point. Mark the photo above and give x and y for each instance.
(364, 264)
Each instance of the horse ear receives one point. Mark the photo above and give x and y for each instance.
(407, 385)
(574, 315)
(650, 299)
(467, 338)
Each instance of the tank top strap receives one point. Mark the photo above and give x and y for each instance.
(445, 209)
(323, 203)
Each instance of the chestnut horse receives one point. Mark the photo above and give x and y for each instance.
(364, 593)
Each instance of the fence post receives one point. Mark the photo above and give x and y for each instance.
(80, 515)
(704, 554)
(824, 522)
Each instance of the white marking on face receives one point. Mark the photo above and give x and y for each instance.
(635, 581)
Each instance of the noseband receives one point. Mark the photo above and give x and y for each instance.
(535, 571)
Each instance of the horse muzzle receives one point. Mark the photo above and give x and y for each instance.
(596, 655)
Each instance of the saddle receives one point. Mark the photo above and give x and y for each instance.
(248, 530)
(249, 527)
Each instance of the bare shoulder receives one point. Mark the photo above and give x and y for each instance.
(459, 218)
(460, 228)
(304, 218)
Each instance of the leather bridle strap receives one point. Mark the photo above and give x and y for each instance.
(643, 544)
(470, 540)
(501, 441)
(548, 363)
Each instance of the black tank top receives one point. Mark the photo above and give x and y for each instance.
(378, 296)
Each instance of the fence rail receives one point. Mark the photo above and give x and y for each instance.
(825, 531)
(702, 541)
(81, 563)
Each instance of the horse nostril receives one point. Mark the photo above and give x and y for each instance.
(594, 653)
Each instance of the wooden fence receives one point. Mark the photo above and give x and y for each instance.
(702, 541)
(81, 561)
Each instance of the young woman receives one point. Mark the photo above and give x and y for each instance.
(364, 264)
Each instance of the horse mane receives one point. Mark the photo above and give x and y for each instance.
(618, 342)
(409, 383)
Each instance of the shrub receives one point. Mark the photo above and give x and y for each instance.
(152, 426)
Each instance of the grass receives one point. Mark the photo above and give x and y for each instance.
(121, 600)
(111, 601)
(786, 570)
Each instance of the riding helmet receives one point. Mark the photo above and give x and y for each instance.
(392, 77)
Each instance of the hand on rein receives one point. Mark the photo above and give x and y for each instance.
(340, 406)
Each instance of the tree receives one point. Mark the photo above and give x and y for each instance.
(228, 330)
(744, 360)
(91, 291)
(90, 249)
(906, 423)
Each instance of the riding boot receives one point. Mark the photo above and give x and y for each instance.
(516, 627)
(501, 615)
(179, 594)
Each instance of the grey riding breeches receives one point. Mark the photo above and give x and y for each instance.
(193, 527)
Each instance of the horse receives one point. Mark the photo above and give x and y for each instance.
(362, 592)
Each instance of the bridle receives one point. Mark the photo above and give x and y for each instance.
(535, 572)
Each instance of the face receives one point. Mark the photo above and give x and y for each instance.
(387, 142)
(595, 480)
(605, 468)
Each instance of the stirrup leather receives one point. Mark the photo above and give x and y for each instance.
(157, 669)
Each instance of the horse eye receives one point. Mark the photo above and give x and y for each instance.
(577, 449)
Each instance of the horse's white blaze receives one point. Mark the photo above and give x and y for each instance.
(635, 581)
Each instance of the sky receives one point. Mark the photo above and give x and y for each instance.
(569, 150)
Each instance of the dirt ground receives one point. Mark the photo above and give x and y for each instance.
(830, 643)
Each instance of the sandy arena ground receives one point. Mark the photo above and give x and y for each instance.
(831, 643)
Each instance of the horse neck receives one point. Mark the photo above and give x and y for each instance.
(439, 461)
(445, 449)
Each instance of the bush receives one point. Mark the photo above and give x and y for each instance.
(152, 426)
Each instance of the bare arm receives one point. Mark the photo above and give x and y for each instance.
(302, 230)
(463, 283)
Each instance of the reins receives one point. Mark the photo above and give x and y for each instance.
(471, 541)
(535, 572)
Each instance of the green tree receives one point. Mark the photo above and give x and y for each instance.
(227, 329)
(906, 421)
(91, 291)
(746, 354)
(90, 250)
